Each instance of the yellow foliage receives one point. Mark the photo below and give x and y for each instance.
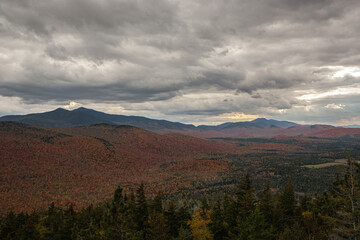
(307, 214)
(198, 225)
(42, 230)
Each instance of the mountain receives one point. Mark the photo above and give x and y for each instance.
(260, 127)
(263, 122)
(57, 118)
(62, 118)
(257, 123)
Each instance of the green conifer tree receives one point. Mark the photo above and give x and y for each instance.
(141, 208)
(288, 201)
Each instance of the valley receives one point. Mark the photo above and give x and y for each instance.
(83, 164)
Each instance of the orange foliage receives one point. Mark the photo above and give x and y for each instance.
(84, 165)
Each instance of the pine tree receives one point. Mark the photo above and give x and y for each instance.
(118, 195)
(141, 208)
(265, 205)
(244, 207)
(130, 217)
(243, 187)
(171, 219)
(114, 221)
(346, 195)
(288, 201)
(156, 204)
(230, 211)
(204, 204)
(183, 215)
(245, 197)
(218, 226)
(156, 228)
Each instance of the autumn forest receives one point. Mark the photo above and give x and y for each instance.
(121, 182)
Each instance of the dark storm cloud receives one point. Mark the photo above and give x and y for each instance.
(47, 17)
(107, 92)
(221, 80)
(258, 54)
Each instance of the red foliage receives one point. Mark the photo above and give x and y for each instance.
(84, 165)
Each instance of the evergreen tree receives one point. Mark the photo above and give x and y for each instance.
(218, 226)
(183, 215)
(114, 222)
(266, 208)
(118, 196)
(288, 201)
(156, 228)
(245, 206)
(141, 208)
(305, 204)
(346, 195)
(204, 204)
(243, 187)
(131, 218)
(171, 219)
(245, 197)
(230, 211)
(156, 204)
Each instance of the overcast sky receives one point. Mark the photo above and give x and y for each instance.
(200, 62)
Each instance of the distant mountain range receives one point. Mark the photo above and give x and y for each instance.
(261, 127)
(62, 118)
(353, 126)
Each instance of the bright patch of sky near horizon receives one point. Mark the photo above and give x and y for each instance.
(200, 62)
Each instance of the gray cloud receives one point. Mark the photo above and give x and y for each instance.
(177, 58)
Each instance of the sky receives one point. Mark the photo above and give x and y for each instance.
(199, 62)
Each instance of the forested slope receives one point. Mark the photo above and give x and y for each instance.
(243, 215)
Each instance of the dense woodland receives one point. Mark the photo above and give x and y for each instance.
(84, 165)
(243, 215)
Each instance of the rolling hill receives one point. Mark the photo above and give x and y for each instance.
(84, 164)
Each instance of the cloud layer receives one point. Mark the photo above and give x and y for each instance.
(191, 61)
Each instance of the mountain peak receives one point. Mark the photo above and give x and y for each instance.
(60, 110)
(82, 109)
(263, 122)
(260, 120)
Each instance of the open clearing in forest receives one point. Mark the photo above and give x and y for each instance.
(323, 165)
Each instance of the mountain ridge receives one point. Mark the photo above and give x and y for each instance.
(77, 117)
(62, 118)
(260, 127)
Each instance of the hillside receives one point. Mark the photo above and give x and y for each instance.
(324, 131)
(84, 164)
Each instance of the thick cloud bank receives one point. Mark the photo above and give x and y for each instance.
(204, 61)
